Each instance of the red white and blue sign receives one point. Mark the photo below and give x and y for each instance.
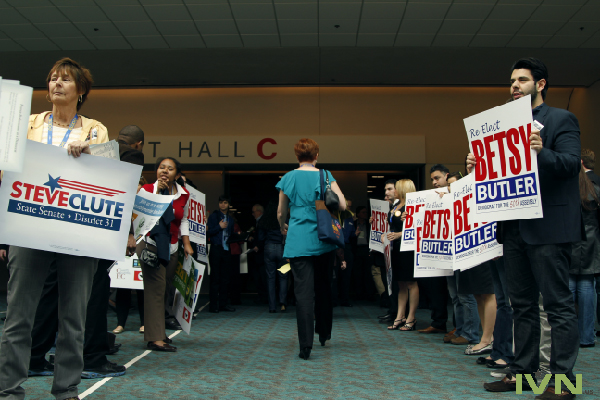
(80, 206)
(506, 175)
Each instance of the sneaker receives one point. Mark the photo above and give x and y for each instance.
(107, 370)
(47, 370)
(500, 373)
(541, 373)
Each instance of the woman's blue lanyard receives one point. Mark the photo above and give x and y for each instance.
(64, 141)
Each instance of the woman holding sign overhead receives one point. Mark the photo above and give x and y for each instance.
(403, 262)
(310, 258)
(158, 251)
(68, 85)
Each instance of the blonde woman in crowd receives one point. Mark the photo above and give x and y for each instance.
(403, 262)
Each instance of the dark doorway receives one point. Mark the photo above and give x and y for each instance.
(248, 189)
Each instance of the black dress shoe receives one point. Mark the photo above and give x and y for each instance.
(167, 340)
(386, 316)
(323, 339)
(227, 308)
(386, 321)
(172, 325)
(505, 385)
(166, 347)
(104, 371)
(272, 311)
(304, 353)
(584, 346)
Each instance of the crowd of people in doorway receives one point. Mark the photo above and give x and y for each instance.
(535, 306)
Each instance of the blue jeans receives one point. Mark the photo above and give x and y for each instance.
(465, 311)
(584, 295)
(274, 260)
(503, 332)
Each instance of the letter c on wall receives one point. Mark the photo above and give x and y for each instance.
(259, 148)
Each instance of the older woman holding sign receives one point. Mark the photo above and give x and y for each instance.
(68, 86)
(310, 258)
(160, 246)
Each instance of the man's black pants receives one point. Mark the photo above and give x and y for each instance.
(45, 326)
(531, 270)
(436, 289)
(220, 270)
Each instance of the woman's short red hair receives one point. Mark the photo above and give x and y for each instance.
(306, 150)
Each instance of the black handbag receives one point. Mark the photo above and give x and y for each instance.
(149, 258)
(332, 201)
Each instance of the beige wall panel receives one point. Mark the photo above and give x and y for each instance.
(433, 112)
(585, 104)
(204, 111)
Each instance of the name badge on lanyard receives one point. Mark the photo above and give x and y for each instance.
(66, 138)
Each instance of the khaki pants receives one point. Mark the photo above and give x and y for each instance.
(155, 283)
(376, 272)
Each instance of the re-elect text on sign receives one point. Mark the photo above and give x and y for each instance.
(414, 202)
(506, 174)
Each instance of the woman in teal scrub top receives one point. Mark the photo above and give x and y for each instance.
(311, 260)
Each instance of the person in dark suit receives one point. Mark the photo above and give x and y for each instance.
(537, 252)
(588, 163)
(219, 228)
(131, 144)
(256, 258)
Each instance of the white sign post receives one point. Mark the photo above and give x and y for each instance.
(424, 270)
(148, 209)
(79, 206)
(15, 107)
(414, 202)
(474, 243)
(197, 217)
(379, 224)
(506, 175)
(436, 237)
(183, 312)
(127, 274)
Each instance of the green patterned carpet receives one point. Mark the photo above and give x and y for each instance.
(251, 354)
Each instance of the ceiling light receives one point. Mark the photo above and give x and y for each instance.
(369, 191)
(377, 176)
(371, 187)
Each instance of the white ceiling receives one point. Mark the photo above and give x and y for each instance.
(51, 25)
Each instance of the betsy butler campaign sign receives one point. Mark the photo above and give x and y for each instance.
(506, 175)
(79, 206)
(474, 243)
(379, 225)
(414, 202)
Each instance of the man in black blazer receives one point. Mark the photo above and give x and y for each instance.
(537, 252)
